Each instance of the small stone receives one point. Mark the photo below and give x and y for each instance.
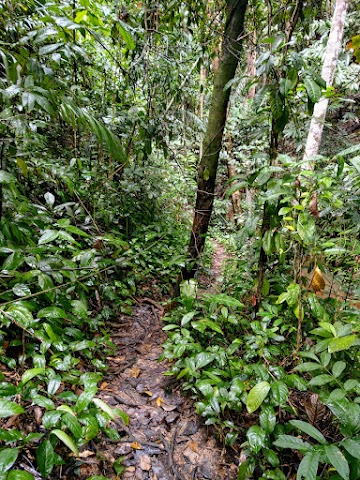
(171, 417)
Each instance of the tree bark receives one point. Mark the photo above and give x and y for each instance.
(214, 132)
(328, 71)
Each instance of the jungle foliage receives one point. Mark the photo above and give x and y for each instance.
(100, 127)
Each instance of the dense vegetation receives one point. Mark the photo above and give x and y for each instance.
(102, 109)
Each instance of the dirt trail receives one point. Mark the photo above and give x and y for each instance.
(165, 439)
(211, 283)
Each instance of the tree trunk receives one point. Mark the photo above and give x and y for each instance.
(214, 132)
(327, 73)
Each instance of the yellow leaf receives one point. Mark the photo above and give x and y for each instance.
(159, 401)
(317, 282)
(148, 393)
(135, 372)
(136, 446)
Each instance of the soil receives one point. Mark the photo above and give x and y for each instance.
(165, 439)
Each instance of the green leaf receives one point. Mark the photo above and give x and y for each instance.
(347, 412)
(123, 415)
(320, 380)
(313, 90)
(206, 322)
(123, 30)
(66, 409)
(76, 231)
(52, 312)
(338, 461)
(342, 343)
(309, 430)
(295, 443)
(308, 466)
(19, 475)
(267, 242)
(73, 425)
(276, 104)
(48, 236)
(8, 457)
(202, 359)
(82, 345)
(338, 368)
(280, 392)
(21, 315)
(256, 437)
(43, 401)
(267, 419)
(186, 318)
(271, 457)
(53, 384)
(306, 228)
(45, 458)
(50, 419)
(223, 299)
(352, 447)
(21, 290)
(67, 440)
(85, 398)
(256, 396)
(308, 367)
(7, 409)
(31, 373)
(105, 408)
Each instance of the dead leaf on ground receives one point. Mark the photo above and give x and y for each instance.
(167, 407)
(145, 462)
(314, 408)
(136, 446)
(159, 401)
(86, 454)
(135, 372)
(194, 446)
(87, 471)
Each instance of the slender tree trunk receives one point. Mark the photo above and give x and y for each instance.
(203, 75)
(214, 132)
(327, 73)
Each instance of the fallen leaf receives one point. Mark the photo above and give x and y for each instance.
(103, 385)
(167, 407)
(89, 470)
(194, 446)
(159, 401)
(136, 446)
(148, 393)
(38, 415)
(86, 454)
(135, 372)
(145, 463)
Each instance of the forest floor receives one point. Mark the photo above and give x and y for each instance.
(165, 438)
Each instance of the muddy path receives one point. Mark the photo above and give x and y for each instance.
(165, 439)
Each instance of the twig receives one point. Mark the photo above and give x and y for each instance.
(170, 451)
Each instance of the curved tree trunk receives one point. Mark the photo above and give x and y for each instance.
(214, 132)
